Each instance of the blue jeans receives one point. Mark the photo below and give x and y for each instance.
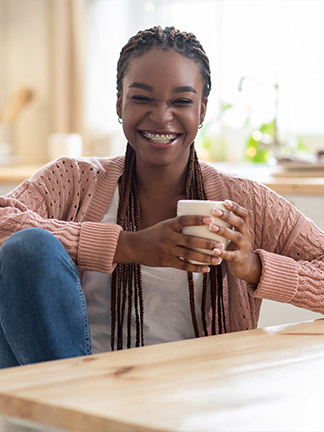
(43, 313)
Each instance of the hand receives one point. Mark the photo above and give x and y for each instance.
(242, 262)
(163, 245)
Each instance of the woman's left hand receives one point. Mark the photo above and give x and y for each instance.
(242, 262)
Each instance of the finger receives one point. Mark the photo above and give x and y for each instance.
(230, 218)
(229, 255)
(182, 264)
(236, 237)
(191, 242)
(180, 222)
(238, 222)
(237, 209)
(194, 256)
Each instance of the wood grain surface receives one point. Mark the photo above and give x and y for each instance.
(260, 380)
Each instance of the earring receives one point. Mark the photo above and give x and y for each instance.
(201, 125)
(120, 120)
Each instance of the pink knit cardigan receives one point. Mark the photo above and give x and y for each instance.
(69, 197)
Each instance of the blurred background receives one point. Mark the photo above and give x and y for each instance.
(58, 71)
(265, 112)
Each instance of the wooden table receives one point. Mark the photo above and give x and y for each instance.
(261, 380)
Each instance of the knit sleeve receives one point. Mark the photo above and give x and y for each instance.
(57, 199)
(292, 255)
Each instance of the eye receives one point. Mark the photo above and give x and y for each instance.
(182, 101)
(140, 99)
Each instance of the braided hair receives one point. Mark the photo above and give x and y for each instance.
(127, 288)
(169, 38)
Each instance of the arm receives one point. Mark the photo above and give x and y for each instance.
(296, 276)
(292, 255)
(57, 199)
(289, 247)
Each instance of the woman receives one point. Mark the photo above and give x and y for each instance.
(98, 239)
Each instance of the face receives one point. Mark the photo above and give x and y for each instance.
(161, 106)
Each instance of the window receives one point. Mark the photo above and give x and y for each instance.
(270, 42)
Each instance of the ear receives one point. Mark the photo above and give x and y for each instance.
(203, 109)
(119, 104)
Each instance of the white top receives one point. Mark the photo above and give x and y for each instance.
(167, 314)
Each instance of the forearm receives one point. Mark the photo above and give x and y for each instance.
(254, 275)
(126, 248)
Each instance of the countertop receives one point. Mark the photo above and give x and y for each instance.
(15, 174)
(284, 182)
(281, 182)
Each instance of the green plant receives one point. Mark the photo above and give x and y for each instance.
(259, 145)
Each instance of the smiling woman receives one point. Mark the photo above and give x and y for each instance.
(93, 256)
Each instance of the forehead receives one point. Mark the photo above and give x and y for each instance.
(160, 67)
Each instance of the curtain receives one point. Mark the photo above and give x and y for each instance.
(41, 50)
(66, 65)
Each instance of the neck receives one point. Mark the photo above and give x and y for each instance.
(159, 190)
(161, 180)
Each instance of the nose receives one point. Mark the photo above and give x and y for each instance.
(160, 113)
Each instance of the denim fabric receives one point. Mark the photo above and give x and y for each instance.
(43, 313)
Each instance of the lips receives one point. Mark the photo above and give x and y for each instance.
(160, 138)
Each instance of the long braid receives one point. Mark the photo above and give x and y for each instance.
(139, 274)
(127, 276)
(127, 289)
(195, 190)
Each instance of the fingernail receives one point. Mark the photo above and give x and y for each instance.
(217, 251)
(208, 220)
(215, 260)
(228, 203)
(213, 227)
(206, 269)
(217, 212)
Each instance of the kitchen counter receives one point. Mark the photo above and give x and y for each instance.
(292, 183)
(282, 182)
(15, 174)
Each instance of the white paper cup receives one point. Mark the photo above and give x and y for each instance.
(203, 208)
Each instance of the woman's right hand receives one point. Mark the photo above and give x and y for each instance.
(164, 245)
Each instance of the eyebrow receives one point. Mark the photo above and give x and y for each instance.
(181, 89)
(141, 85)
(184, 89)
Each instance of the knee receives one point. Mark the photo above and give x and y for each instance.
(26, 245)
(34, 260)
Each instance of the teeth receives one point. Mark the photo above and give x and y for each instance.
(160, 138)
